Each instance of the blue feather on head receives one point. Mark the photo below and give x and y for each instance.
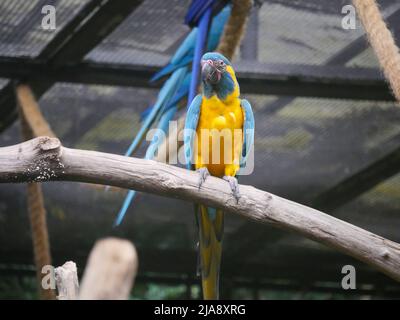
(215, 56)
(216, 80)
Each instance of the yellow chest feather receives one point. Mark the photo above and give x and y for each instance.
(221, 116)
(215, 114)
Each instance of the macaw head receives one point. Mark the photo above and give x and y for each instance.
(217, 75)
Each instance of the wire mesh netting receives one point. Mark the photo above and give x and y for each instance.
(282, 40)
(22, 34)
(303, 146)
(302, 149)
(3, 82)
(147, 37)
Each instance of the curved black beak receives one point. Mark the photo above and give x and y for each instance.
(209, 72)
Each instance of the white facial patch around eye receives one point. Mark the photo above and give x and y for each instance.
(221, 66)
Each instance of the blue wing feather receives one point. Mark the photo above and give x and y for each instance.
(191, 122)
(248, 131)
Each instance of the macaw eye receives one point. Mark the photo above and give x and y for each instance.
(220, 65)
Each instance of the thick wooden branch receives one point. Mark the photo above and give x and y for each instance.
(33, 124)
(44, 159)
(110, 271)
(67, 281)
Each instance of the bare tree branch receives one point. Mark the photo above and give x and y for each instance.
(67, 281)
(44, 159)
(110, 271)
(33, 124)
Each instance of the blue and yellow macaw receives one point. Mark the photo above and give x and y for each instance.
(181, 83)
(219, 108)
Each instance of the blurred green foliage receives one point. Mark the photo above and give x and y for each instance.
(18, 287)
(24, 287)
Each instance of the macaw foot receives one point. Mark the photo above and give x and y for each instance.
(203, 172)
(233, 183)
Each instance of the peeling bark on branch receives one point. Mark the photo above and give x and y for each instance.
(67, 281)
(44, 159)
(33, 124)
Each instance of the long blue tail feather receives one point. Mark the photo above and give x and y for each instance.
(158, 137)
(179, 95)
(180, 84)
(150, 153)
(186, 48)
(162, 129)
(197, 10)
(171, 68)
(198, 52)
(165, 94)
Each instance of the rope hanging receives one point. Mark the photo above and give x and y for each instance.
(381, 41)
(229, 42)
(33, 125)
(235, 28)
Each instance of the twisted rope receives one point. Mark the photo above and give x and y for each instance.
(381, 41)
(33, 124)
(235, 28)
